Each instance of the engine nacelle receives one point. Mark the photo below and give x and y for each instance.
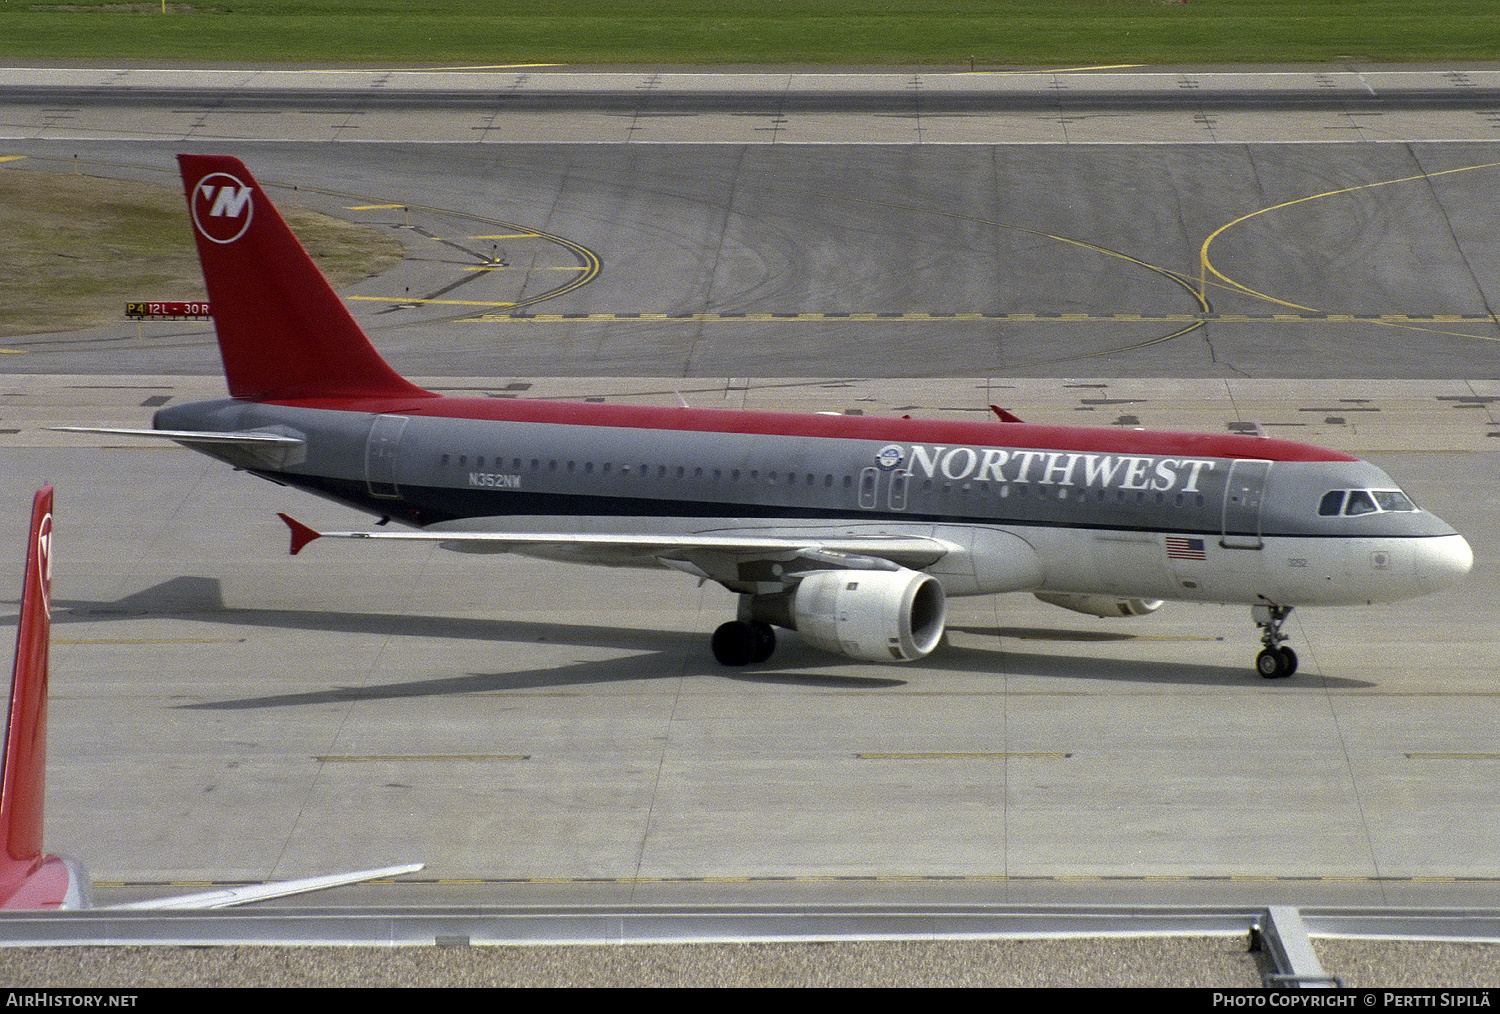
(1100, 605)
(869, 615)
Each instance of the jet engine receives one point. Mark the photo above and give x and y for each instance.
(1100, 605)
(870, 615)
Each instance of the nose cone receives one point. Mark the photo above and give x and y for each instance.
(1441, 561)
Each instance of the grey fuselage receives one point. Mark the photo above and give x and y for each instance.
(1045, 509)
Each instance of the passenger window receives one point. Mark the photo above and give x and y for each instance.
(1333, 503)
(1360, 502)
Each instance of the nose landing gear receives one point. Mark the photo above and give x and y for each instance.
(1275, 661)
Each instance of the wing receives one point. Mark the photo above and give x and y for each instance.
(231, 896)
(746, 563)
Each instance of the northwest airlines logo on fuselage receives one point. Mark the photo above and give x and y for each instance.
(222, 208)
(1054, 468)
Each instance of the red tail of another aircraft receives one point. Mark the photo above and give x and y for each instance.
(29, 879)
(284, 333)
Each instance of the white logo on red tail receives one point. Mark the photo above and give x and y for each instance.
(222, 208)
(44, 560)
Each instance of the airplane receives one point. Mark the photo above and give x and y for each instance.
(30, 878)
(851, 531)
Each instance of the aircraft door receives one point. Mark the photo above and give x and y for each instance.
(897, 496)
(874, 481)
(1244, 495)
(381, 452)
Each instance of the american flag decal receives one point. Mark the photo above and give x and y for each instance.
(1180, 547)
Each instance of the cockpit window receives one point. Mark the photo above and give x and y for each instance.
(1354, 502)
(1392, 500)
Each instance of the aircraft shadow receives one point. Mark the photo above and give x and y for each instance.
(1154, 671)
(660, 652)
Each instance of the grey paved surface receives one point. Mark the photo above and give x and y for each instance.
(290, 707)
(1192, 261)
(232, 713)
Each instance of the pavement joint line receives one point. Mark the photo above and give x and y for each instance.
(929, 317)
(812, 878)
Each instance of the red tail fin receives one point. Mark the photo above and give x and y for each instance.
(25, 764)
(283, 332)
(29, 879)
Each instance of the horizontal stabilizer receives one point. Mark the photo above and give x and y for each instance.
(242, 448)
(231, 896)
(243, 439)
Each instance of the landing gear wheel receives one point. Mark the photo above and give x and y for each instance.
(765, 641)
(1276, 663)
(740, 643)
(1291, 659)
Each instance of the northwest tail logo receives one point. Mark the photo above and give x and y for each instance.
(222, 208)
(44, 559)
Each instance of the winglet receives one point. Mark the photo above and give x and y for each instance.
(301, 534)
(1005, 416)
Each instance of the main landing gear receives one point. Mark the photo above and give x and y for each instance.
(741, 642)
(1276, 661)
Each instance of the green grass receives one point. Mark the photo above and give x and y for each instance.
(945, 32)
(74, 249)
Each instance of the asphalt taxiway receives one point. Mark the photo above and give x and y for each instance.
(225, 712)
(1193, 261)
(543, 734)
